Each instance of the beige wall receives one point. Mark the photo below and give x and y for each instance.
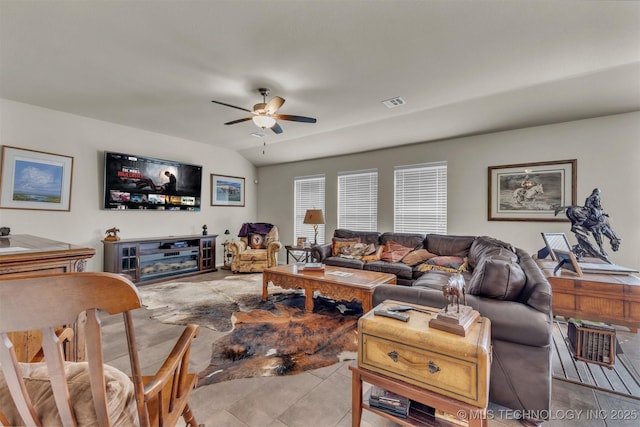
(607, 150)
(85, 139)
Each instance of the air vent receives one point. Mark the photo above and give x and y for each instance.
(394, 102)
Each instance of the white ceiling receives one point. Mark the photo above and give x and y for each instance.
(463, 67)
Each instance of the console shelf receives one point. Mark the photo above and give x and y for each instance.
(160, 258)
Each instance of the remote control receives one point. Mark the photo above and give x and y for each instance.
(401, 308)
(392, 314)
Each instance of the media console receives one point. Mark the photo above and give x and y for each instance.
(158, 258)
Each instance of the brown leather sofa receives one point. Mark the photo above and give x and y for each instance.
(504, 284)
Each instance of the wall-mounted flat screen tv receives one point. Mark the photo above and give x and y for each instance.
(137, 182)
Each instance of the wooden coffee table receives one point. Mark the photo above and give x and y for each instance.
(335, 282)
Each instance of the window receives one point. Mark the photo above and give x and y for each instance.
(309, 194)
(358, 200)
(421, 198)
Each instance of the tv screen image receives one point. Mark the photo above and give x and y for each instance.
(137, 182)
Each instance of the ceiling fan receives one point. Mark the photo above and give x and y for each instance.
(264, 113)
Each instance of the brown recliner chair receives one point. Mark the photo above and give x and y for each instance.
(257, 248)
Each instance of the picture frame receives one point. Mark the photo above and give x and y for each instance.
(555, 241)
(35, 180)
(227, 190)
(531, 191)
(301, 242)
(568, 261)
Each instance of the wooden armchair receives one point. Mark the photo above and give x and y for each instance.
(56, 392)
(255, 251)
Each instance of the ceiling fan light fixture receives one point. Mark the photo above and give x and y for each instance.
(264, 121)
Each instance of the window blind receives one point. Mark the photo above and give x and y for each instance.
(420, 198)
(309, 194)
(358, 200)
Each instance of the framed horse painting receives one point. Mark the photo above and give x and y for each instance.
(532, 191)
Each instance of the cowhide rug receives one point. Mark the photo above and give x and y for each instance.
(276, 337)
(208, 304)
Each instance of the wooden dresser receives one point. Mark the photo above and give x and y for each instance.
(611, 298)
(23, 254)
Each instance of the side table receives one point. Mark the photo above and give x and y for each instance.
(294, 251)
(437, 368)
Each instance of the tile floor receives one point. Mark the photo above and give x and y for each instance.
(322, 397)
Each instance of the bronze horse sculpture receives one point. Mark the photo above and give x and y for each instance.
(591, 220)
(453, 291)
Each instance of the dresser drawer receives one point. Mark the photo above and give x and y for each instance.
(441, 373)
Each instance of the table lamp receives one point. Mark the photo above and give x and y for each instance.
(314, 217)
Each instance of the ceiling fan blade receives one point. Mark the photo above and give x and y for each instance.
(238, 121)
(274, 105)
(276, 128)
(232, 106)
(295, 118)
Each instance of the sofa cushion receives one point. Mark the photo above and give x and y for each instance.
(399, 269)
(497, 278)
(121, 399)
(435, 279)
(375, 256)
(364, 236)
(337, 243)
(337, 261)
(357, 250)
(449, 245)
(253, 255)
(394, 252)
(487, 246)
(409, 240)
(452, 264)
(257, 241)
(417, 256)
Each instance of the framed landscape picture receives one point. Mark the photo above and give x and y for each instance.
(227, 190)
(531, 191)
(33, 179)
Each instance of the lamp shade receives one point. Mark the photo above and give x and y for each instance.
(264, 121)
(314, 216)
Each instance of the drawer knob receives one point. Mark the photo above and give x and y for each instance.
(393, 355)
(433, 368)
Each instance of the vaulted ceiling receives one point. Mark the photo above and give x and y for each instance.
(462, 67)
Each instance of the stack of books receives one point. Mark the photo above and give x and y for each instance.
(389, 402)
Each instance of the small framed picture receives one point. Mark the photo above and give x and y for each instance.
(568, 261)
(301, 242)
(33, 179)
(227, 190)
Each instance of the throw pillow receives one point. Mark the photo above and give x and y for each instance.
(394, 252)
(497, 278)
(417, 256)
(376, 255)
(256, 241)
(337, 243)
(355, 251)
(452, 264)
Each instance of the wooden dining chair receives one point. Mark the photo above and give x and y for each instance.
(59, 392)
